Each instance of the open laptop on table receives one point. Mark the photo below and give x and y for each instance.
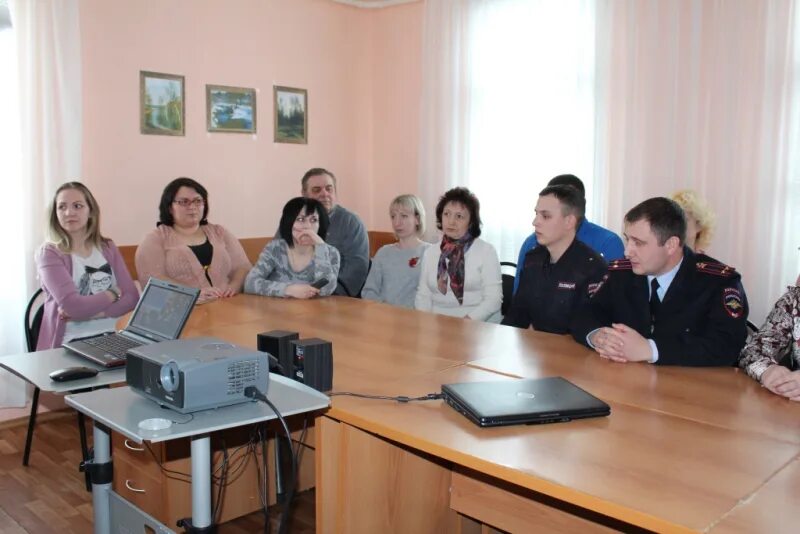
(160, 315)
(527, 401)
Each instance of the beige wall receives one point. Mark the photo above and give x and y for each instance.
(361, 69)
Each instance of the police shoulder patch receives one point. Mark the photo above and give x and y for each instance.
(620, 265)
(715, 269)
(732, 302)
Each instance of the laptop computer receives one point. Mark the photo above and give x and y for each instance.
(160, 315)
(527, 401)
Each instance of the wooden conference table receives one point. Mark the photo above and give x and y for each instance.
(683, 450)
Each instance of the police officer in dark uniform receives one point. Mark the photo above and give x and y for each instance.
(558, 274)
(664, 304)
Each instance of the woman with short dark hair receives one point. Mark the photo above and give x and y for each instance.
(461, 277)
(187, 249)
(298, 263)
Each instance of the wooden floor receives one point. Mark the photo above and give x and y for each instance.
(49, 495)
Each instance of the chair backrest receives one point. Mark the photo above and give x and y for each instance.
(253, 246)
(33, 319)
(508, 286)
(378, 239)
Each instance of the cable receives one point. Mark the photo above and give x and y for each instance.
(218, 504)
(254, 393)
(400, 398)
(267, 525)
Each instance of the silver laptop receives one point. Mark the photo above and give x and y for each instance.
(528, 401)
(160, 315)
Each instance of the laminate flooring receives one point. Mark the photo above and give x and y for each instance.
(49, 495)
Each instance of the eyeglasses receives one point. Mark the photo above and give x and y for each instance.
(186, 202)
(310, 219)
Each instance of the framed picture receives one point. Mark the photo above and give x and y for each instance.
(230, 109)
(291, 115)
(161, 107)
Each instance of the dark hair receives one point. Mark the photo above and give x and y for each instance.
(168, 197)
(316, 171)
(569, 179)
(571, 200)
(293, 208)
(462, 195)
(665, 216)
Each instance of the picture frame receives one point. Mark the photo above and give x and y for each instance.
(162, 104)
(291, 115)
(230, 109)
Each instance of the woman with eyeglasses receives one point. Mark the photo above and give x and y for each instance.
(461, 277)
(84, 278)
(298, 263)
(187, 249)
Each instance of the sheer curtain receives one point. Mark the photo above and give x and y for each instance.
(508, 103)
(704, 95)
(637, 98)
(47, 41)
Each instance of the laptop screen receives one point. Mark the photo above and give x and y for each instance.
(162, 310)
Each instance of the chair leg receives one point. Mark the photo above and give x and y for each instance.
(31, 424)
(84, 447)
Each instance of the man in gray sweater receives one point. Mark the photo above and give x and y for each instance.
(346, 231)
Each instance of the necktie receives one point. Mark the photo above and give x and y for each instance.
(655, 302)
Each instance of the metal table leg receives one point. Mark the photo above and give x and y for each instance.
(101, 485)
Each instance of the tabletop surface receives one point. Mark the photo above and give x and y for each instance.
(683, 448)
(122, 409)
(35, 367)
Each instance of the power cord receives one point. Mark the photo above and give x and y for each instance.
(400, 398)
(253, 393)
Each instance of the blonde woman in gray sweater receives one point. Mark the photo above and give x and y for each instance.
(394, 274)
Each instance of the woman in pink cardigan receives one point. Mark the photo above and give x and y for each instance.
(85, 281)
(187, 249)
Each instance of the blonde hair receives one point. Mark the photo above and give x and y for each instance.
(413, 203)
(700, 211)
(56, 233)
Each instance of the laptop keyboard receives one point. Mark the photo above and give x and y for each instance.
(113, 344)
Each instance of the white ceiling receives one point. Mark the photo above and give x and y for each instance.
(367, 4)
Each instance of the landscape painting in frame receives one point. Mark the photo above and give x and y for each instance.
(161, 103)
(291, 115)
(230, 109)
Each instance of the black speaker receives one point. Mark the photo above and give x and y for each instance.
(277, 343)
(312, 363)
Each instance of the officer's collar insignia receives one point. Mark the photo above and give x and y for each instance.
(717, 269)
(620, 265)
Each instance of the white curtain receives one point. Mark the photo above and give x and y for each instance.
(638, 99)
(704, 95)
(508, 103)
(47, 39)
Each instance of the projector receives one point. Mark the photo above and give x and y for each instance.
(189, 375)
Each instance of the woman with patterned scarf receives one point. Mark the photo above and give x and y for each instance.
(461, 277)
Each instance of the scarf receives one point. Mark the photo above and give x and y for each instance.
(451, 265)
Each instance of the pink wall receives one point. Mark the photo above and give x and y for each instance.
(361, 69)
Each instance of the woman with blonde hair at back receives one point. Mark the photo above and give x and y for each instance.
(395, 270)
(83, 276)
(700, 220)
